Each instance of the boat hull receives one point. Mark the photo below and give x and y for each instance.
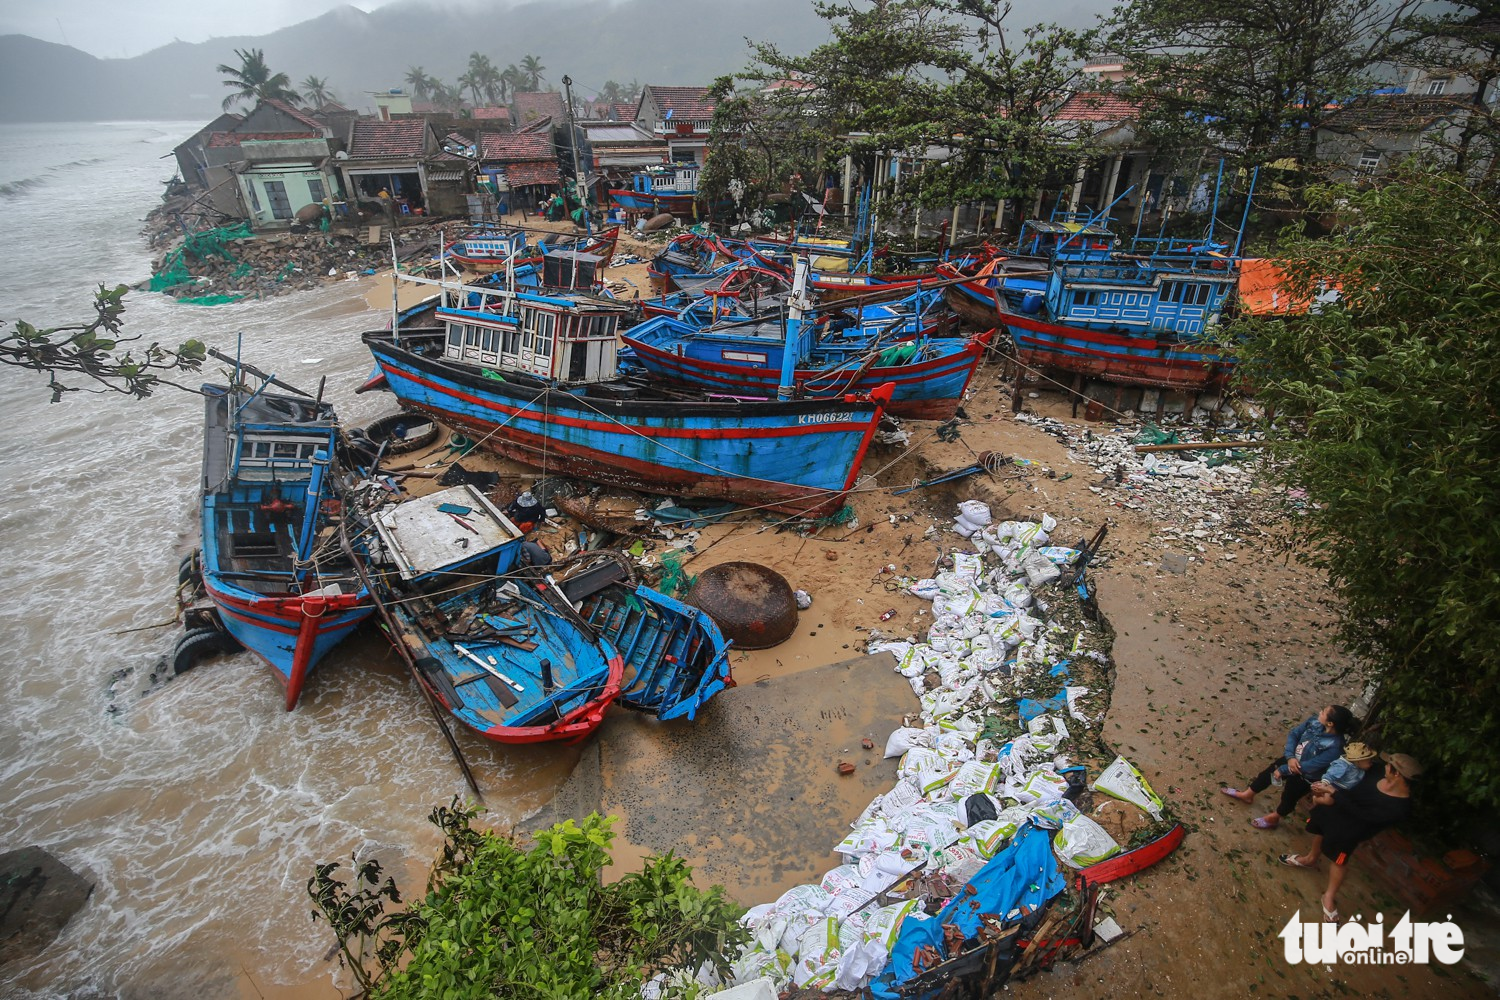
(927, 390)
(677, 204)
(796, 457)
(1119, 358)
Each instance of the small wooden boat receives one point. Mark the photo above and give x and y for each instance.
(270, 494)
(511, 655)
(667, 188)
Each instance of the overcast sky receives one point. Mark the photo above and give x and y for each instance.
(112, 29)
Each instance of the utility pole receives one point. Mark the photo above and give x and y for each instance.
(578, 177)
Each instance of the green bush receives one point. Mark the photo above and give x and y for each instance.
(504, 919)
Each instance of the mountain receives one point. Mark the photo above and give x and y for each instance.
(669, 42)
(673, 42)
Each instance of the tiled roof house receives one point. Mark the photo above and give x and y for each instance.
(681, 116)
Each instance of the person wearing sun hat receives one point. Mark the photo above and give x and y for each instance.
(1350, 769)
(1344, 818)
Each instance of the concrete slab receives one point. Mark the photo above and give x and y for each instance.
(750, 793)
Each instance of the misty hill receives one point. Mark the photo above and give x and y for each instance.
(671, 42)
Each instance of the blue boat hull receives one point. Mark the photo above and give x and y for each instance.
(798, 457)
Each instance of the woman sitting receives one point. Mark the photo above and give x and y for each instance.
(1310, 748)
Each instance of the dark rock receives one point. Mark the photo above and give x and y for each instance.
(38, 896)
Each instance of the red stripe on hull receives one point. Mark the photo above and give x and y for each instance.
(1159, 369)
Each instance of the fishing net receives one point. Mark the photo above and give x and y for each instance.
(210, 300)
(198, 246)
(1152, 434)
(674, 579)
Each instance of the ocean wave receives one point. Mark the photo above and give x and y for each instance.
(15, 189)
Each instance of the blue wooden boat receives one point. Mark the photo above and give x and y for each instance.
(1134, 319)
(515, 657)
(269, 494)
(667, 188)
(929, 375)
(535, 377)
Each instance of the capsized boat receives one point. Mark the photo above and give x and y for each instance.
(535, 377)
(270, 497)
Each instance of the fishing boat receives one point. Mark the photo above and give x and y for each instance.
(269, 500)
(505, 649)
(1142, 319)
(928, 375)
(535, 377)
(667, 188)
(487, 250)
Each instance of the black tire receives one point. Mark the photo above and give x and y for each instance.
(199, 644)
(387, 429)
(190, 570)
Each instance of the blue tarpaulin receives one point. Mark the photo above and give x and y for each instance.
(1015, 882)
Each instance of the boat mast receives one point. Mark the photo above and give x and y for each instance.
(578, 179)
(796, 306)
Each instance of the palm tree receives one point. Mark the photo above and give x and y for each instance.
(513, 78)
(482, 78)
(532, 67)
(422, 85)
(253, 80)
(316, 91)
(446, 96)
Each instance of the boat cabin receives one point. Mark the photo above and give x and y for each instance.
(1173, 297)
(1066, 240)
(566, 339)
(675, 179)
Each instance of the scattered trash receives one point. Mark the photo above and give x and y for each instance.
(803, 599)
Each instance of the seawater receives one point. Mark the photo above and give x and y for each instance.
(199, 810)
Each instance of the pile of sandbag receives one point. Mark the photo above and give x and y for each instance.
(960, 799)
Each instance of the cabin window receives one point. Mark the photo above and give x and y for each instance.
(455, 340)
(1084, 298)
(1185, 293)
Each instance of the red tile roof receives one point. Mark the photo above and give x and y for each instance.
(531, 106)
(540, 125)
(685, 103)
(301, 116)
(522, 174)
(401, 138)
(622, 112)
(1084, 107)
(515, 147)
(492, 114)
(221, 139)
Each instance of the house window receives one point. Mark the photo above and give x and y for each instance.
(315, 188)
(1436, 87)
(1369, 160)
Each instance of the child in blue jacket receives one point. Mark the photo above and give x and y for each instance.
(1310, 748)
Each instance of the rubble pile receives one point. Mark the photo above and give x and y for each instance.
(276, 263)
(1199, 498)
(1013, 679)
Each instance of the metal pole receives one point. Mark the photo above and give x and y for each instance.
(578, 178)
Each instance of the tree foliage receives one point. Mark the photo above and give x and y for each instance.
(94, 351)
(907, 76)
(1260, 75)
(1394, 396)
(502, 919)
(252, 80)
(315, 89)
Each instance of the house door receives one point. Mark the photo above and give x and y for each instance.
(281, 208)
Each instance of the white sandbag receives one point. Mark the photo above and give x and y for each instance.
(907, 738)
(925, 589)
(848, 902)
(818, 955)
(975, 512)
(919, 759)
(859, 965)
(960, 861)
(1039, 569)
(989, 836)
(884, 925)
(836, 880)
(1042, 785)
(1082, 842)
(967, 566)
(1052, 814)
(973, 778)
(1060, 555)
(883, 870)
(1122, 781)
(871, 836)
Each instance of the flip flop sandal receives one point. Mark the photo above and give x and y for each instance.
(1290, 860)
(1329, 916)
(1260, 823)
(1233, 793)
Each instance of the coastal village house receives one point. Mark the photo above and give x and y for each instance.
(389, 156)
(613, 150)
(680, 116)
(521, 166)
